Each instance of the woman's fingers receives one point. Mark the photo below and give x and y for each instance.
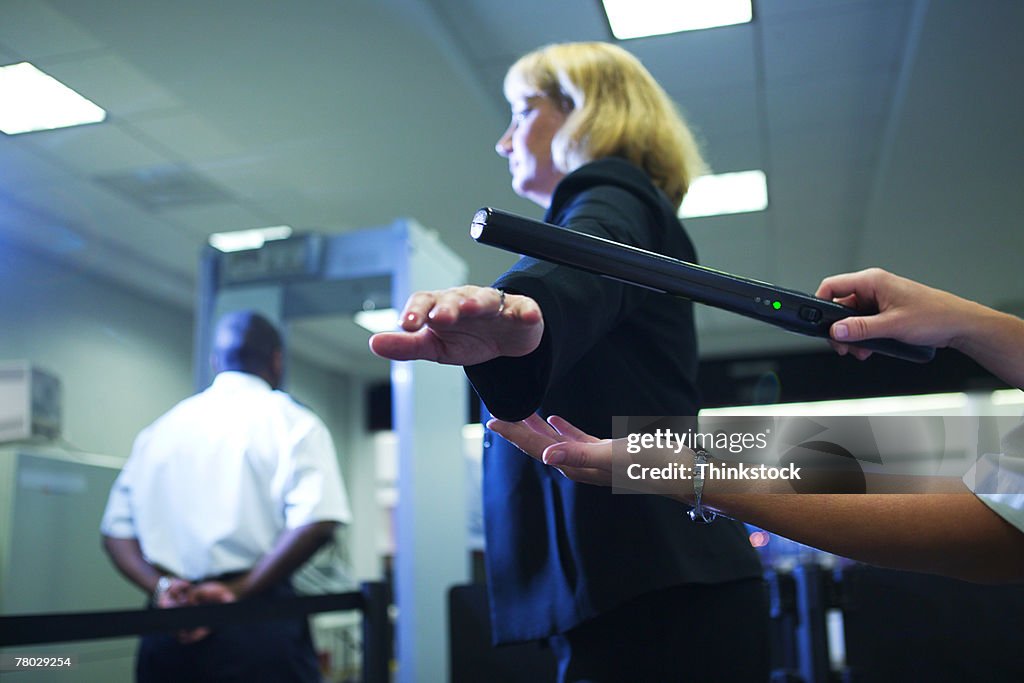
(485, 301)
(445, 307)
(569, 430)
(448, 306)
(421, 345)
(586, 475)
(525, 437)
(593, 454)
(538, 425)
(557, 442)
(574, 453)
(586, 463)
(418, 306)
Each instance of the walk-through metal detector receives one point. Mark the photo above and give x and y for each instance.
(318, 275)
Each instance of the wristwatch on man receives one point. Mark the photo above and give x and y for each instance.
(163, 584)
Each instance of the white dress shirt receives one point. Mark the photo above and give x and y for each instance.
(999, 478)
(212, 484)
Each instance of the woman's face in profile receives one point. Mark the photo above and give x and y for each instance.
(527, 146)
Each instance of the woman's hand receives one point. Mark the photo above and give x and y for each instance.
(918, 314)
(463, 326)
(576, 454)
(603, 462)
(908, 311)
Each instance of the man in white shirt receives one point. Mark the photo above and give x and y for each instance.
(223, 498)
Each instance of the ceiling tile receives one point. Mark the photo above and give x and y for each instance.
(726, 148)
(200, 221)
(84, 206)
(721, 57)
(722, 118)
(36, 32)
(26, 223)
(778, 9)
(815, 103)
(112, 83)
(736, 244)
(856, 38)
(20, 163)
(94, 149)
(7, 56)
(486, 28)
(186, 135)
(817, 147)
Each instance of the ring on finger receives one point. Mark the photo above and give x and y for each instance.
(501, 300)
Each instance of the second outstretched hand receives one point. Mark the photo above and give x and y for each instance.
(579, 456)
(587, 459)
(463, 326)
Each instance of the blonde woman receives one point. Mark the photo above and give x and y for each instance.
(622, 587)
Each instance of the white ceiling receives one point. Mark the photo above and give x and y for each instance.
(890, 132)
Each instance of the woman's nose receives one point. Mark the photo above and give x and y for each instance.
(504, 145)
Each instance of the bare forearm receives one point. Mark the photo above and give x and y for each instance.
(293, 549)
(996, 341)
(954, 534)
(926, 524)
(126, 554)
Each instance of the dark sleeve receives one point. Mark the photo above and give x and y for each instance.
(579, 308)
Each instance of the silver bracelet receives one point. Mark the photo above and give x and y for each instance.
(698, 513)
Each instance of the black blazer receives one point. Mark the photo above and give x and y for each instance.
(560, 552)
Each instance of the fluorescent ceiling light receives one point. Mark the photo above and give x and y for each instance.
(382, 320)
(240, 240)
(639, 18)
(725, 193)
(33, 100)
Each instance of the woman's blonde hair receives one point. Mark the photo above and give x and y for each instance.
(618, 109)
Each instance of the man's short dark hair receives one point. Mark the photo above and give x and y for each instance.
(245, 341)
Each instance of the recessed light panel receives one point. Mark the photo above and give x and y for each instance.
(725, 193)
(33, 100)
(639, 18)
(240, 240)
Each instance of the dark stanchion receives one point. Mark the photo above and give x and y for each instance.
(372, 601)
(812, 604)
(376, 633)
(63, 627)
(784, 619)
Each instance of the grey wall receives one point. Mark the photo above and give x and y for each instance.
(122, 359)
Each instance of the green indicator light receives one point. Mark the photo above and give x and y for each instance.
(776, 305)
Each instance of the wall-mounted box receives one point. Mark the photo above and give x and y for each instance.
(30, 402)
